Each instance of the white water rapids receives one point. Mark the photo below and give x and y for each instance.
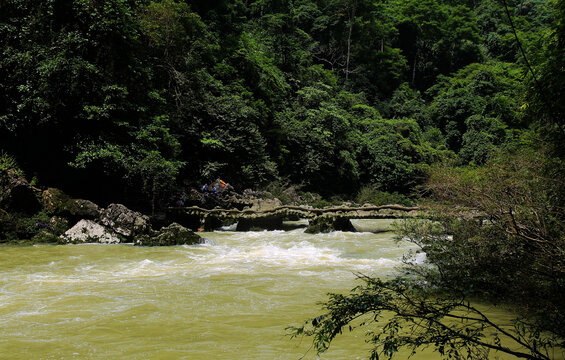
(230, 298)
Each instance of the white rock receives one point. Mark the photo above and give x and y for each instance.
(87, 231)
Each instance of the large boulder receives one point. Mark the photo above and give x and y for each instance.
(17, 195)
(87, 231)
(56, 202)
(173, 234)
(124, 221)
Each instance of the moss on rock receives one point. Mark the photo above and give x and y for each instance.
(56, 202)
(173, 234)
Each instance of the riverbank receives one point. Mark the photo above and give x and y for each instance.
(50, 216)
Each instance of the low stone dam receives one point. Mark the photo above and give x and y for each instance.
(319, 220)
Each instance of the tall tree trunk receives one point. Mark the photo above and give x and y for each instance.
(351, 22)
(414, 66)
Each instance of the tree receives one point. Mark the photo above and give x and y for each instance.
(436, 38)
(547, 85)
(318, 140)
(489, 90)
(497, 235)
(404, 317)
(149, 161)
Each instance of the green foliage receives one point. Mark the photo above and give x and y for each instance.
(148, 162)
(318, 140)
(401, 316)
(438, 38)
(8, 164)
(482, 137)
(515, 253)
(547, 89)
(484, 90)
(256, 91)
(38, 227)
(372, 195)
(407, 102)
(393, 153)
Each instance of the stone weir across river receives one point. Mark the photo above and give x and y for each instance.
(319, 220)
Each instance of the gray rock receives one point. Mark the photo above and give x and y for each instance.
(124, 221)
(87, 231)
(85, 209)
(173, 234)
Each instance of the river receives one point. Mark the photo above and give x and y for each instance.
(230, 298)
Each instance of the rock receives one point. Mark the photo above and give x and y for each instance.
(85, 209)
(325, 224)
(87, 231)
(124, 221)
(56, 202)
(194, 198)
(265, 204)
(173, 234)
(17, 195)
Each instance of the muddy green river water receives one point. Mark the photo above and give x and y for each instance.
(230, 298)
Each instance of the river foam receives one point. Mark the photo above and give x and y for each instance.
(229, 298)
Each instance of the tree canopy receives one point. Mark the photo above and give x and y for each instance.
(368, 93)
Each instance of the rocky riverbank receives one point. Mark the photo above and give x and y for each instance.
(51, 216)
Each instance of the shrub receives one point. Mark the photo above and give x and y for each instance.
(371, 194)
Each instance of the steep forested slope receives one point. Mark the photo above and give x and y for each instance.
(145, 96)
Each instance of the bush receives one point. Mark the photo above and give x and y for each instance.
(372, 195)
(38, 227)
(8, 162)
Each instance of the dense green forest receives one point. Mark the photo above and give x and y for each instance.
(333, 95)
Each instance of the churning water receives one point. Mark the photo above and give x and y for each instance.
(230, 298)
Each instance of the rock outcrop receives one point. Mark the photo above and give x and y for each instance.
(56, 202)
(87, 231)
(124, 221)
(17, 195)
(173, 234)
